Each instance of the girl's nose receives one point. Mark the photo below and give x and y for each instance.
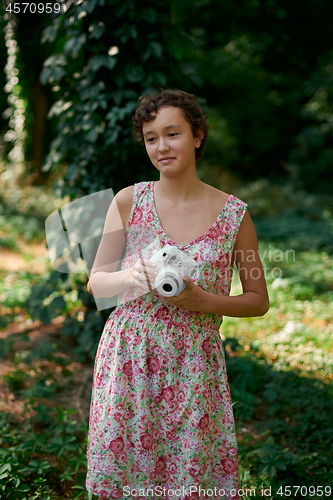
(163, 146)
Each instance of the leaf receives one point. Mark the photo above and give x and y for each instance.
(5, 467)
(134, 73)
(97, 62)
(121, 10)
(58, 303)
(55, 60)
(45, 316)
(77, 494)
(159, 77)
(50, 75)
(110, 62)
(24, 487)
(149, 15)
(75, 43)
(90, 5)
(97, 30)
(157, 48)
(16, 482)
(271, 470)
(92, 135)
(49, 34)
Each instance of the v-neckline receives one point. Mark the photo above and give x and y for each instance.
(169, 240)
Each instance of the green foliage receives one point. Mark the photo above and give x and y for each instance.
(297, 232)
(295, 220)
(16, 225)
(17, 294)
(279, 370)
(62, 294)
(269, 85)
(46, 464)
(311, 159)
(106, 56)
(297, 423)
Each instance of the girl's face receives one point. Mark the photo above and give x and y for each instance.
(169, 141)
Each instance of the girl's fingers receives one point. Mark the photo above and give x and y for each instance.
(148, 272)
(144, 280)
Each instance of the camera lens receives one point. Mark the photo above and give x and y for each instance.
(167, 287)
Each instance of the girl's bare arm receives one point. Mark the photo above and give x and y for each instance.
(254, 300)
(104, 280)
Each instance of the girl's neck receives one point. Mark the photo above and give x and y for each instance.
(179, 191)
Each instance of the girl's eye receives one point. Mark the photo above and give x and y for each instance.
(151, 139)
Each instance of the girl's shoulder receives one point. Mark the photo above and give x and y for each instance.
(216, 195)
(124, 199)
(219, 198)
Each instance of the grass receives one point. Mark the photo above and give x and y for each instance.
(279, 366)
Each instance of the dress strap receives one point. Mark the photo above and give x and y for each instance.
(233, 217)
(138, 188)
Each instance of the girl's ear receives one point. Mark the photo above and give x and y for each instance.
(199, 136)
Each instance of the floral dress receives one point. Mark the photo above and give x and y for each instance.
(161, 420)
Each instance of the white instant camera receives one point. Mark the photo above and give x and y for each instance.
(172, 264)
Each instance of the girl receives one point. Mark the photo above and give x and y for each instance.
(161, 420)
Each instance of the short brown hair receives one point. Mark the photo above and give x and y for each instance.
(148, 105)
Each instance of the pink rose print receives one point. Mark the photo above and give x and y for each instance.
(168, 394)
(223, 260)
(115, 493)
(179, 344)
(146, 441)
(160, 465)
(181, 397)
(117, 445)
(137, 216)
(206, 433)
(170, 435)
(192, 472)
(158, 399)
(156, 433)
(168, 420)
(226, 229)
(202, 469)
(173, 468)
(153, 364)
(127, 367)
(105, 494)
(128, 415)
(204, 421)
(207, 346)
(214, 232)
(228, 465)
(118, 417)
(149, 217)
(162, 313)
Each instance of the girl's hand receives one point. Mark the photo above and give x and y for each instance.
(143, 274)
(190, 299)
